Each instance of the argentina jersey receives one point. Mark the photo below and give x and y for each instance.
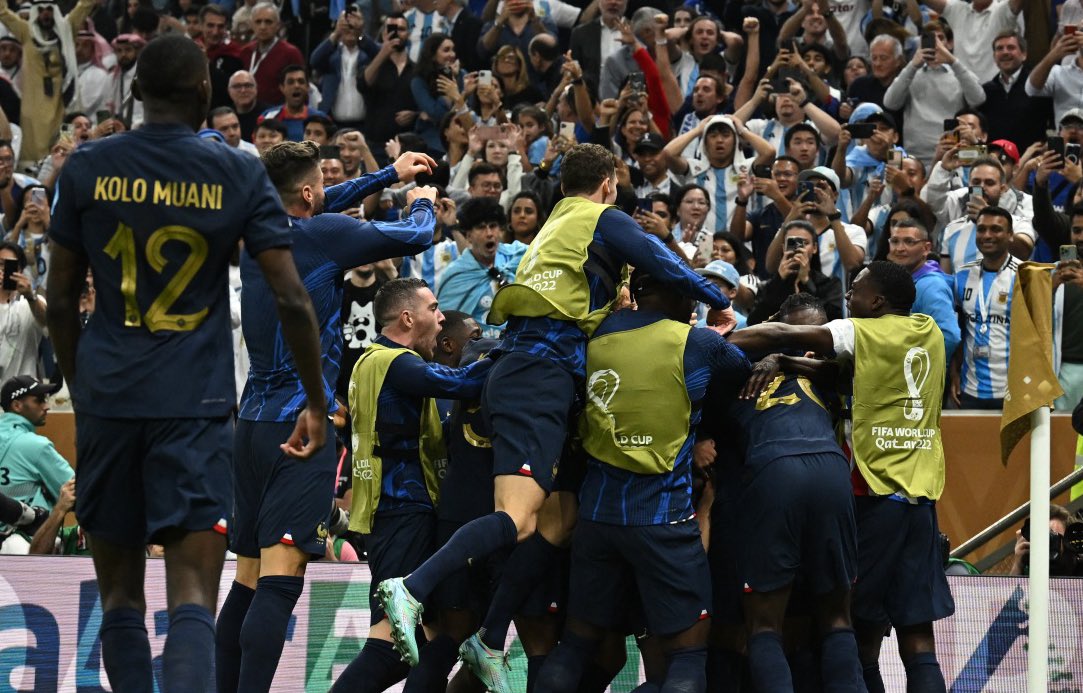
(984, 299)
(430, 265)
(420, 26)
(830, 262)
(721, 183)
(959, 243)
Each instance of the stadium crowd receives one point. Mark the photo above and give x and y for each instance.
(782, 163)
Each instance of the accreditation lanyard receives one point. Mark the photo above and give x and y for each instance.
(254, 64)
(985, 298)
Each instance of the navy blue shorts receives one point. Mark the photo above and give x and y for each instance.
(796, 519)
(279, 499)
(399, 543)
(722, 553)
(470, 588)
(666, 563)
(900, 574)
(527, 400)
(137, 477)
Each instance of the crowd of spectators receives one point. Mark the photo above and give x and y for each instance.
(778, 146)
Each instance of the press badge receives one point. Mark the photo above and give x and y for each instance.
(981, 352)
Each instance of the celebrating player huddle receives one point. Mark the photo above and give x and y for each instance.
(605, 470)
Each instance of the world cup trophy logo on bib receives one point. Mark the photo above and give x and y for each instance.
(601, 387)
(916, 368)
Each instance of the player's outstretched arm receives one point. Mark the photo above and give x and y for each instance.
(301, 331)
(773, 336)
(67, 275)
(350, 193)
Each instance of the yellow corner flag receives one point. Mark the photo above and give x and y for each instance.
(1032, 384)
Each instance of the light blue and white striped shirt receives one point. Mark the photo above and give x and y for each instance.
(984, 300)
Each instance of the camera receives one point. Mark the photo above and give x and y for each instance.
(1065, 550)
(795, 244)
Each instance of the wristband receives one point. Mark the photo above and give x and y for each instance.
(663, 42)
(739, 202)
(577, 81)
(670, 239)
(835, 216)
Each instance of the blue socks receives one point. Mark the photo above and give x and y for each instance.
(474, 540)
(766, 659)
(724, 670)
(436, 659)
(923, 674)
(227, 641)
(264, 631)
(126, 651)
(189, 649)
(529, 563)
(839, 664)
(374, 670)
(686, 671)
(564, 666)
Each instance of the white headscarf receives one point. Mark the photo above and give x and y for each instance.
(70, 84)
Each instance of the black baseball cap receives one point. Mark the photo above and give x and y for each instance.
(652, 142)
(882, 117)
(21, 386)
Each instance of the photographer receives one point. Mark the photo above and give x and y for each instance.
(1062, 562)
(799, 272)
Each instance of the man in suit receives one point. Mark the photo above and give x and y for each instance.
(465, 30)
(594, 42)
(1009, 112)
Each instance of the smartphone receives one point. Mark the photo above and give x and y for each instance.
(485, 78)
(1069, 29)
(37, 196)
(1071, 153)
(705, 248)
(103, 115)
(11, 267)
(67, 129)
(794, 243)
(792, 46)
(806, 190)
(972, 153)
(644, 204)
(567, 131)
(894, 158)
(928, 41)
(780, 86)
(1069, 253)
(1056, 144)
(950, 124)
(489, 132)
(637, 82)
(761, 170)
(860, 131)
(976, 191)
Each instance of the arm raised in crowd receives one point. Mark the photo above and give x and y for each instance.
(1051, 226)
(747, 85)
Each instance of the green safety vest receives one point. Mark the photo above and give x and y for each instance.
(637, 411)
(898, 388)
(366, 381)
(550, 281)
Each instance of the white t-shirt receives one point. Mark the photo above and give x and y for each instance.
(975, 31)
(850, 13)
(829, 254)
(20, 335)
(843, 337)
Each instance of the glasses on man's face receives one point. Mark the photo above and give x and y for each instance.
(491, 186)
(244, 85)
(897, 241)
(7, 160)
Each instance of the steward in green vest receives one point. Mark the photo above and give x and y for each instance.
(898, 385)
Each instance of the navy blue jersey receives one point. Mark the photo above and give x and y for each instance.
(466, 491)
(157, 212)
(350, 193)
(619, 497)
(410, 380)
(618, 240)
(789, 418)
(325, 246)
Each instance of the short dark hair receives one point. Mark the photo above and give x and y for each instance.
(993, 211)
(323, 120)
(787, 159)
(1076, 211)
(273, 124)
(911, 223)
(966, 110)
(800, 224)
(991, 161)
(453, 319)
(801, 127)
(289, 164)
(1011, 33)
(795, 303)
(171, 69)
(481, 168)
(291, 68)
(665, 198)
(220, 111)
(394, 297)
(895, 283)
(584, 168)
(20, 254)
(679, 193)
(481, 210)
(214, 9)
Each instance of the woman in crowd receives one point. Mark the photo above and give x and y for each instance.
(509, 67)
(526, 218)
(693, 205)
(437, 87)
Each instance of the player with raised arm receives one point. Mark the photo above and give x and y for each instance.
(156, 214)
